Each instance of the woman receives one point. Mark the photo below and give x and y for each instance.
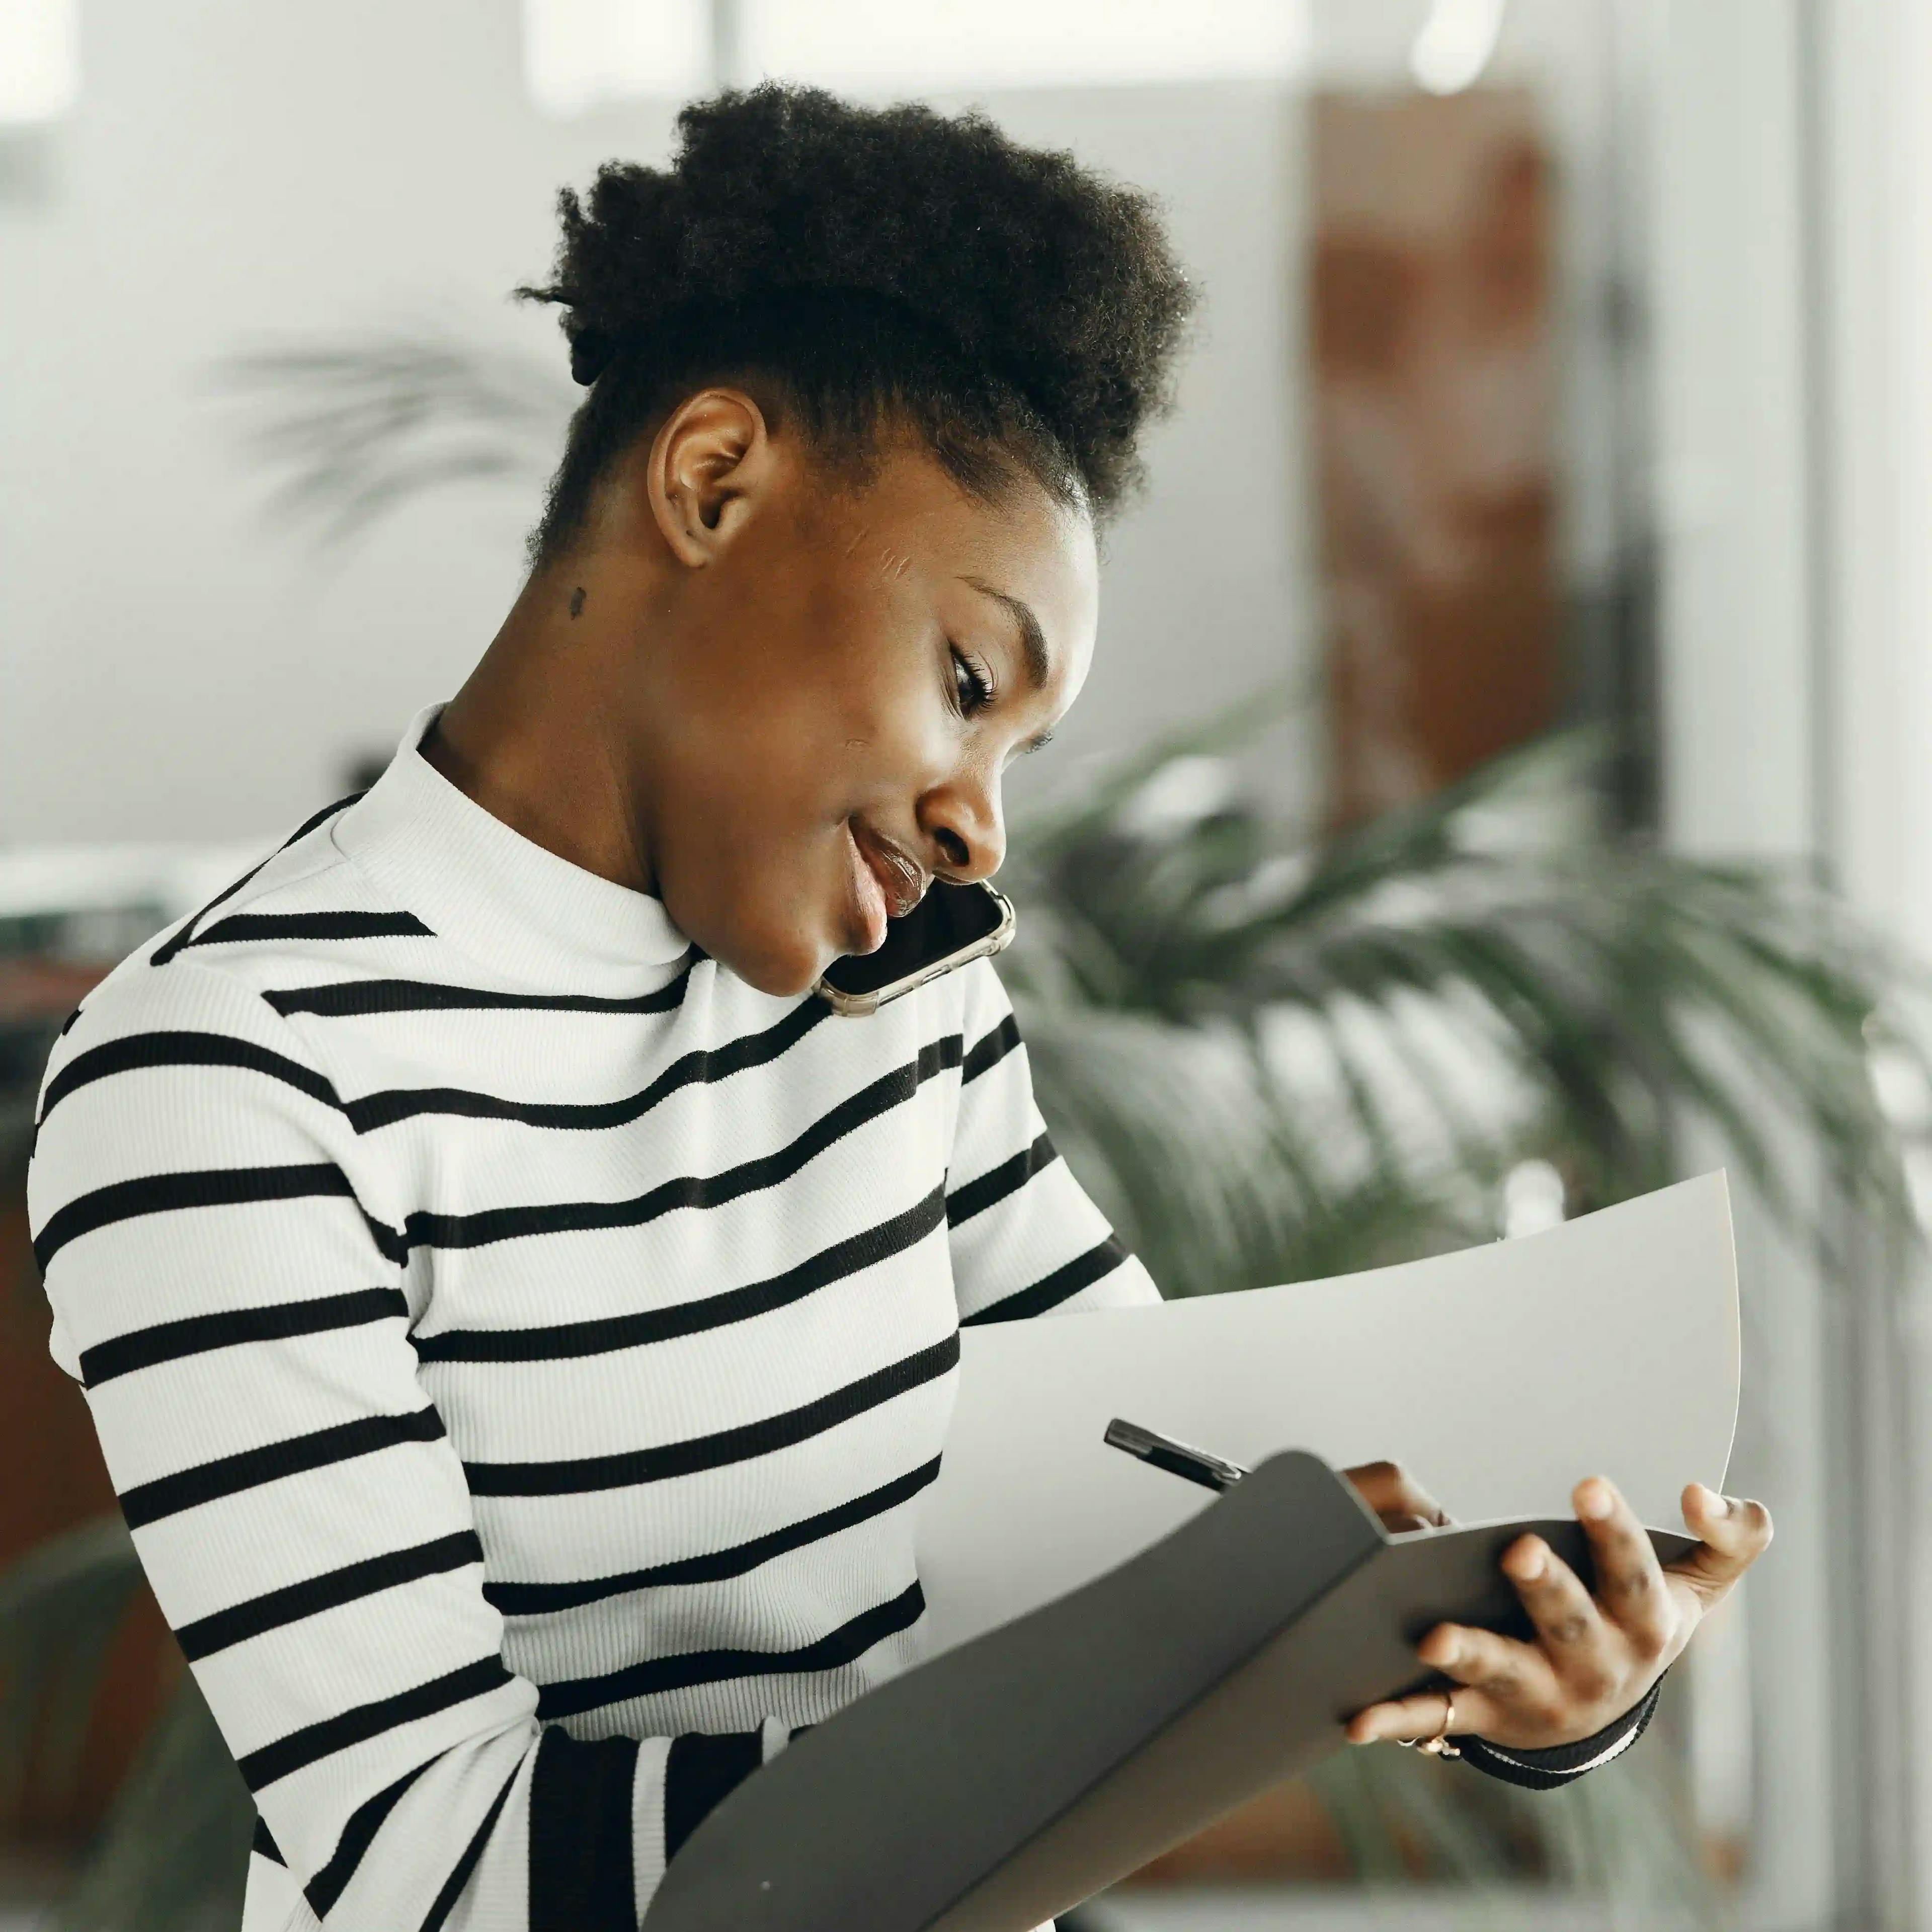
(519, 1316)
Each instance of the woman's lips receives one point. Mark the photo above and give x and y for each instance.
(866, 932)
(901, 879)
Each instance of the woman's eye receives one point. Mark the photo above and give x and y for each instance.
(970, 684)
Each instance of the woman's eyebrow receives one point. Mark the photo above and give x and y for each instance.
(1033, 641)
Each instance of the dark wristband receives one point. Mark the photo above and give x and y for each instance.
(1562, 1764)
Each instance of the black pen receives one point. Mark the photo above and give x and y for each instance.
(1179, 1459)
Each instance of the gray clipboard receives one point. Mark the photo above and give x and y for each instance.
(1011, 1778)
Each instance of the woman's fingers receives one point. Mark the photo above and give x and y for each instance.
(1576, 1640)
(1503, 1690)
(1396, 1496)
(1413, 1719)
(1516, 1676)
(1734, 1534)
(1593, 1653)
(1631, 1589)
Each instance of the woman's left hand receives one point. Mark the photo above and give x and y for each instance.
(1593, 1657)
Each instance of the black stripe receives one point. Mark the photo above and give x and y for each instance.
(704, 1066)
(352, 998)
(263, 1842)
(168, 1496)
(316, 818)
(568, 1339)
(365, 1721)
(976, 1196)
(700, 1772)
(991, 1050)
(452, 1886)
(502, 1224)
(69, 1021)
(365, 1822)
(184, 1049)
(166, 1193)
(1095, 1264)
(275, 1608)
(185, 937)
(711, 1452)
(581, 1875)
(838, 1647)
(715, 1566)
(196, 1334)
(240, 928)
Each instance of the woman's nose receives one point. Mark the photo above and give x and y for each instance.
(967, 833)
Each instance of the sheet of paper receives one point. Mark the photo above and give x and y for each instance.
(1500, 1377)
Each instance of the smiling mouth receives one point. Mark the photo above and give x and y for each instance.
(902, 879)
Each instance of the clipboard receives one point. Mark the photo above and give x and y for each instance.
(1499, 1376)
(1030, 1767)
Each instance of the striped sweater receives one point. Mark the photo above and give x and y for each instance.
(519, 1347)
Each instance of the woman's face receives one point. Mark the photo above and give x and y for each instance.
(837, 675)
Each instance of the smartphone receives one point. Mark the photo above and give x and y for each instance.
(950, 927)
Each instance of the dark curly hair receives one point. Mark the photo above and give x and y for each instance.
(1002, 301)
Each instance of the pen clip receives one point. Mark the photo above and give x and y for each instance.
(1178, 1459)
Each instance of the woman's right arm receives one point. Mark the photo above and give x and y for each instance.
(228, 1287)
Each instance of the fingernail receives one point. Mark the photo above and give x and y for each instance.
(1714, 1504)
(1595, 1501)
(1530, 1563)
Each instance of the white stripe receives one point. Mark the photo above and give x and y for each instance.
(1622, 1745)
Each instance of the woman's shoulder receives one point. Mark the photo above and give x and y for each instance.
(302, 914)
(198, 1013)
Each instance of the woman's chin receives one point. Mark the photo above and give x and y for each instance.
(784, 970)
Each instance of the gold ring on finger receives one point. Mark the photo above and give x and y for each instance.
(1439, 1746)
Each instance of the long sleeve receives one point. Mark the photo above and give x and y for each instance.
(1025, 1238)
(228, 1286)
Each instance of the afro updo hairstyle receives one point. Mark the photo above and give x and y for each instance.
(1003, 303)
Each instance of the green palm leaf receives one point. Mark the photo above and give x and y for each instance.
(1607, 996)
(358, 426)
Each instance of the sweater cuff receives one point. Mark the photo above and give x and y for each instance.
(700, 1772)
(1562, 1764)
(584, 1866)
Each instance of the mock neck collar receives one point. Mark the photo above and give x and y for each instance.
(499, 897)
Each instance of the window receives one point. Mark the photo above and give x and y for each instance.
(950, 44)
(583, 54)
(40, 60)
(580, 54)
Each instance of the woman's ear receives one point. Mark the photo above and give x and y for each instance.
(707, 465)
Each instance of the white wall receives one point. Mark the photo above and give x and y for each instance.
(1731, 418)
(1723, 236)
(1876, 255)
(172, 667)
(1874, 259)
(1792, 225)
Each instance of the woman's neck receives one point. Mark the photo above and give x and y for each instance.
(531, 737)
